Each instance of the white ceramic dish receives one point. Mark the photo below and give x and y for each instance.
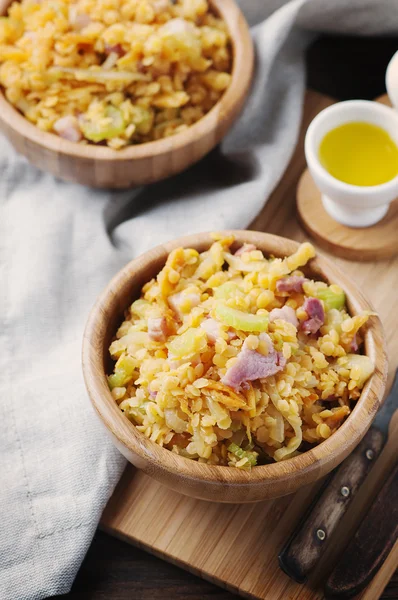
(351, 205)
(392, 80)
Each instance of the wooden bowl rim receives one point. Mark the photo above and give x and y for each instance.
(134, 441)
(242, 68)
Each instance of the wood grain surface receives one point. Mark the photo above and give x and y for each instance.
(114, 570)
(378, 242)
(102, 167)
(345, 68)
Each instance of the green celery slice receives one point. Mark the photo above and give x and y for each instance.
(239, 453)
(97, 132)
(227, 290)
(124, 370)
(331, 299)
(192, 341)
(240, 320)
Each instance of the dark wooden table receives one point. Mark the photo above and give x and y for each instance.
(113, 570)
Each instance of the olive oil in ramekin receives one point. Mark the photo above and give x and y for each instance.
(359, 153)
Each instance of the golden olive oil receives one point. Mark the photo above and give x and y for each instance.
(360, 154)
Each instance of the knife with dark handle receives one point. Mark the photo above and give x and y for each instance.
(310, 538)
(370, 546)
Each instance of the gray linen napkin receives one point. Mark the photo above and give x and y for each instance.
(60, 244)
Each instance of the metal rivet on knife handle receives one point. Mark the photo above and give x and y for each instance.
(345, 491)
(321, 535)
(369, 454)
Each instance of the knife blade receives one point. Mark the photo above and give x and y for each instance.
(309, 540)
(370, 545)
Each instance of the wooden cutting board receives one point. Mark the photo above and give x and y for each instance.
(236, 546)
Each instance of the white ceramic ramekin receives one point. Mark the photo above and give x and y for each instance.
(392, 80)
(352, 205)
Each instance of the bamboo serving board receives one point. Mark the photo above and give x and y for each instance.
(236, 546)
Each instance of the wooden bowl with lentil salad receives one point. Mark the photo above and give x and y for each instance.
(122, 97)
(236, 474)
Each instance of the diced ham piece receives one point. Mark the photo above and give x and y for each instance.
(157, 329)
(354, 344)
(212, 328)
(177, 301)
(77, 21)
(115, 49)
(294, 283)
(253, 365)
(30, 35)
(331, 398)
(153, 395)
(245, 248)
(176, 26)
(68, 128)
(316, 315)
(161, 5)
(286, 313)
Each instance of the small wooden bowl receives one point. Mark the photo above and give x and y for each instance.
(102, 167)
(217, 483)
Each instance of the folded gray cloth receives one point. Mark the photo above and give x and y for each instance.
(60, 244)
